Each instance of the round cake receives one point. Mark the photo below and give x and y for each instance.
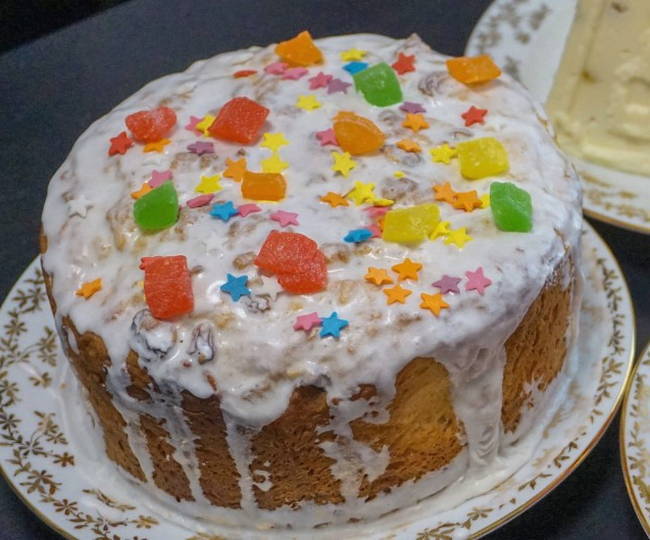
(316, 282)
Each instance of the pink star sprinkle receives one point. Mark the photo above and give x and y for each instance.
(307, 322)
(412, 108)
(447, 284)
(158, 177)
(376, 211)
(191, 125)
(337, 85)
(200, 147)
(201, 200)
(326, 137)
(285, 218)
(276, 68)
(476, 281)
(246, 209)
(319, 81)
(375, 230)
(294, 73)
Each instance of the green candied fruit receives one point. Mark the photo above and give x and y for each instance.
(158, 209)
(379, 85)
(511, 206)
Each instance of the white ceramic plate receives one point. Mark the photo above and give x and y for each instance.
(59, 479)
(526, 38)
(635, 440)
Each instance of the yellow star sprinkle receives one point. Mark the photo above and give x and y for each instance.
(408, 145)
(382, 202)
(205, 123)
(352, 55)
(458, 237)
(157, 146)
(343, 163)
(433, 302)
(89, 288)
(416, 122)
(485, 200)
(209, 184)
(334, 200)
(442, 229)
(399, 174)
(308, 103)
(362, 193)
(274, 141)
(442, 154)
(274, 164)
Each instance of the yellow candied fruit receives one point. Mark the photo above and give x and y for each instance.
(410, 225)
(483, 157)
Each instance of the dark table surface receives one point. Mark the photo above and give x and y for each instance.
(53, 88)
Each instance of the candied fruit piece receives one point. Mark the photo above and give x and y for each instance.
(167, 286)
(356, 134)
(158, 209)
(151, 126)
(239, 120)
(263, 186)
(482, 157)
(410, 225)
(379, 85)
(299, 51)
(473, 69)
(512, 208)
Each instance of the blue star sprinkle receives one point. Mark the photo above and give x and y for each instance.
(224, 211)
(357, 236)
(332, 326)
(236, 287)
(355, 67)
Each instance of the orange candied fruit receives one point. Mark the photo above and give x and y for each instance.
(473, 69)
(299, 51)
(151, 126)
(240, 120)
(263, 186)
(356, 134)
(167, 286)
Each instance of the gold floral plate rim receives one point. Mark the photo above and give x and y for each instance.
(643, 361)
(506, 30)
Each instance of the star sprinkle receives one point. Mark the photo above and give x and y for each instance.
(376, 211)
(209, 184)
(191, 125)
(399, 174)
(159, 177)
(201, 147)
(433, 302)
(458, 237)
(337, 85)
(245, 209)
(158, 146)
(476, 281)
(200, 200)
(396, 294)
(408, 145)
(274, 164)
(205, 124)
(332, 325)
(334, 199)
(308, 103)
(415, 122)
(411, 107)
(327, 136)
(353, 54)
(120, 144)
(485, 200)
(375, 230)
(444, 192)
(321, 80)
(404, 63)
(294, 73)
(356, 236)
(407, 269)
(378, 276)
(442, 154)
(270, 286)
(441, 229)
(276, 68)
(447, 284)
(355, 67)
(307, 322)
(244, 73)
(285, 218)
(236, 287)
(144, 189)
(467, 200)
(235, 169)
(274, 141)
(474, 116)
(362, 192)
(343, 163)
(89, 288)
(224, 211)
(78, 206)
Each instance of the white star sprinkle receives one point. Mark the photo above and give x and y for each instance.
(269, 286)
(78, 206)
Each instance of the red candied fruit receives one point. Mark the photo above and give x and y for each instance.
(296, 260)
(239, 120)
(151, 126)
(167, 286)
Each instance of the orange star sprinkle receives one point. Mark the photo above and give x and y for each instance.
(444, 192)
(235, 169)
(434, 303)
(89, 288)
(146, 188)
(416, 122)
(407, 269)
(409, 146)
(378, 276)
(467, 200)
(396, 294)
(334, 199)
(157, 146)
